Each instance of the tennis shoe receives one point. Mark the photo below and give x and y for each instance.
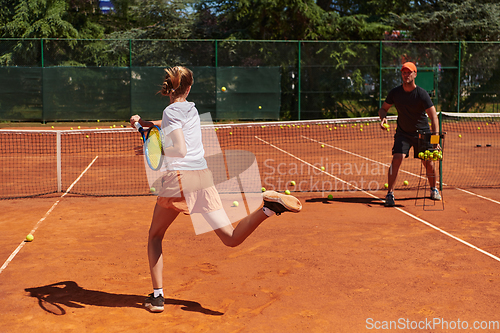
(154, 304)
(435, 194)
(389, 200)
(280, 203)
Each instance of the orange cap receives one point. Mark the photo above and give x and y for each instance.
(409, 65)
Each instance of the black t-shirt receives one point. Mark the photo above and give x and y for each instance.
(411, 108)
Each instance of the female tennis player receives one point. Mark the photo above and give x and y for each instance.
(187, 167)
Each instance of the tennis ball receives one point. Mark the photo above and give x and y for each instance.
(87, 136)
(460, 135)
(71, 128)
(386, 185)
(386, 125)
(52, 126)
(263, 189)
(405, 183)
(322, 146)
(287, 192)
(479, 128)
(230, 133)
(330, 197)
(421, 155)
(322, 168)
(292, 183)
(29, 238)
(79, 127)
(260, 107)
(236, 203)
(152, 189)
(98, 120)
(223, 88)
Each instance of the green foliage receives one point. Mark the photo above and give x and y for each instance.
(452, 20)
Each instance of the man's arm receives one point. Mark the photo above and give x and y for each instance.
(382, 113)
(432, 114)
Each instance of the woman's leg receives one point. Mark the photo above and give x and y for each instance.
(229, 235)
(162, 219)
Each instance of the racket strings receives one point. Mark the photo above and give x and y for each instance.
(154, 149)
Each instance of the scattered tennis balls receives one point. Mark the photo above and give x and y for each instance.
(287, 192)
(223, 88)
(386, 185)
(29, 238)
(330, 197)
(405, 183)
(479, 128)
(79, 127)
(263, 189)
(236, 203)
(292, 183)
(52, 126)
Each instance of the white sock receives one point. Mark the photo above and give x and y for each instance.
(267, 211)
(158, 292)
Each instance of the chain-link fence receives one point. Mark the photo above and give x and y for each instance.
(66, 79)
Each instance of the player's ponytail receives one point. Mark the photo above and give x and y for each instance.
(177, 80)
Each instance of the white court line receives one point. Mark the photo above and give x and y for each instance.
(387, 165)
(16, 251)
(363, 157)
(399, 209)
(479, 196)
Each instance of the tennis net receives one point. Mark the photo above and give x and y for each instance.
(318, 156)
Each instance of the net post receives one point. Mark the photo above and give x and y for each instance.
(58, 152)
(299, 76)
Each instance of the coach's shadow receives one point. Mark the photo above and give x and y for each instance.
(53, 298)
(366, 200)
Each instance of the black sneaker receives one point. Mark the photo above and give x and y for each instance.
(154, 304)
(389, 200)
(280, 203)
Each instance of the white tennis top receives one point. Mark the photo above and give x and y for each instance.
(184, 115)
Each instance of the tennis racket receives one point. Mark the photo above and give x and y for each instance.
(153, 145)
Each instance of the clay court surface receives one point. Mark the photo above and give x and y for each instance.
(341, 265)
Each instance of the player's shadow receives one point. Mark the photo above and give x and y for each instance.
(54, 298)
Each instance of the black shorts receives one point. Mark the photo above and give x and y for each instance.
(403, 143)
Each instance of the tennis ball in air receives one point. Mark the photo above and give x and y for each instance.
(230, 133)
(322, 146)
(386, 185)
(405, 183)
(479, 128)
(330, 197)
(460, 135)
(236, 203)
(87, 136)
(287, 192)
(260, 107)
(322, 168)
(29, 238)
(152, 189)
(292, 183)
(223, 88)
(263, 189)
